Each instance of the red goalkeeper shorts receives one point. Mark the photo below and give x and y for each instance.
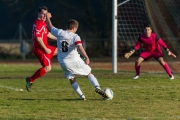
(148, 55)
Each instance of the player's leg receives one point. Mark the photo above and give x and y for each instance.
(83, 69)
(92, 79)
(45, 60)
(29, 80)
(39, 73)
(69, 76)
(79, 67)
(143, 56)
(96, 85)
(76, 88)
(46, 63)
(55, 52)
(137, 67)
(166, 67)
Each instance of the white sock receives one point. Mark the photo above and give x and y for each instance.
(77, 89)
(93, 81)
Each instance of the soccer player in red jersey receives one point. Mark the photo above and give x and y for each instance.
(41, 49)
(153, 49)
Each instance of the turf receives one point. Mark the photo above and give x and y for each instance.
(153, 96)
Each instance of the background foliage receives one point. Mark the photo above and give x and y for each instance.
(94, 16)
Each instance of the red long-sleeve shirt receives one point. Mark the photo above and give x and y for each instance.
(152, 43)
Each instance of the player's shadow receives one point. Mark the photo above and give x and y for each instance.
(53, 99)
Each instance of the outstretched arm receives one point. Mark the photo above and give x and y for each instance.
(48, 21)
(160, 42)
(136, 47)
(50, 26)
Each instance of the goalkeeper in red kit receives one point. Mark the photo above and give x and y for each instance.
(153, 49)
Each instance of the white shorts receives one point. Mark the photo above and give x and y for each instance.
(75, 67)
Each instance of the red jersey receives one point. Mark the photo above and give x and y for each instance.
(39, 30)
(152, 43)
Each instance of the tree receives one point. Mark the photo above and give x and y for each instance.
(94, 15)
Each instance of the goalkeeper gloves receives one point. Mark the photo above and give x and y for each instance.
(170, 53)
(127, 55)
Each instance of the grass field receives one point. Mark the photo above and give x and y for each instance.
(153, 96)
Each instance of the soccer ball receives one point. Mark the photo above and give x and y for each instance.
(109, 92)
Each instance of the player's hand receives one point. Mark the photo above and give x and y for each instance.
(48, 15)
(127, 55)
(171, 54)
(87, 61)
(48, 51)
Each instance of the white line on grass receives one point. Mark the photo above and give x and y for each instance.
(145, 87)
(11, 88)
(117, 88)
(165, 117)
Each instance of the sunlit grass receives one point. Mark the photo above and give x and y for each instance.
(153, 96)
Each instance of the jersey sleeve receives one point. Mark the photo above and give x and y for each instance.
(55, 31)
(157, 38)
(161, 43)
(77, 40)
(138, 44)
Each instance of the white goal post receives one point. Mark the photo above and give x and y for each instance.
(114, 33)
(114, 36)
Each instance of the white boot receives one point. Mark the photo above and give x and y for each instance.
(136, 77)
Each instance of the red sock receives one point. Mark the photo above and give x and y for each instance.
(166, 67)
(37, 74)
(137, 68)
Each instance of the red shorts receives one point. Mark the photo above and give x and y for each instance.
(148, 55)
(45, 59)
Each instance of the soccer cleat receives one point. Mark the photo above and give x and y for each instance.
(83, 98)
(172, 77)
(28, 84)
(136, 77)
(102, 93)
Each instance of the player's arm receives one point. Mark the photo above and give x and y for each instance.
(83, 53)
(51, 36)
(127, 55)
(170, 53)
(161, 43)
(41, 43)
(48, 21)
(50, 26)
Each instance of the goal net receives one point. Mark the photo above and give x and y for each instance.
(165, 20)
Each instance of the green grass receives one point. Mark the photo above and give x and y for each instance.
(153, 96)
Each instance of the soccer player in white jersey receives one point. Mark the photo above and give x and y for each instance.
(69, 44)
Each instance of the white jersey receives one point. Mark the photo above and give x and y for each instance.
(67, 43)
(68, 56)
